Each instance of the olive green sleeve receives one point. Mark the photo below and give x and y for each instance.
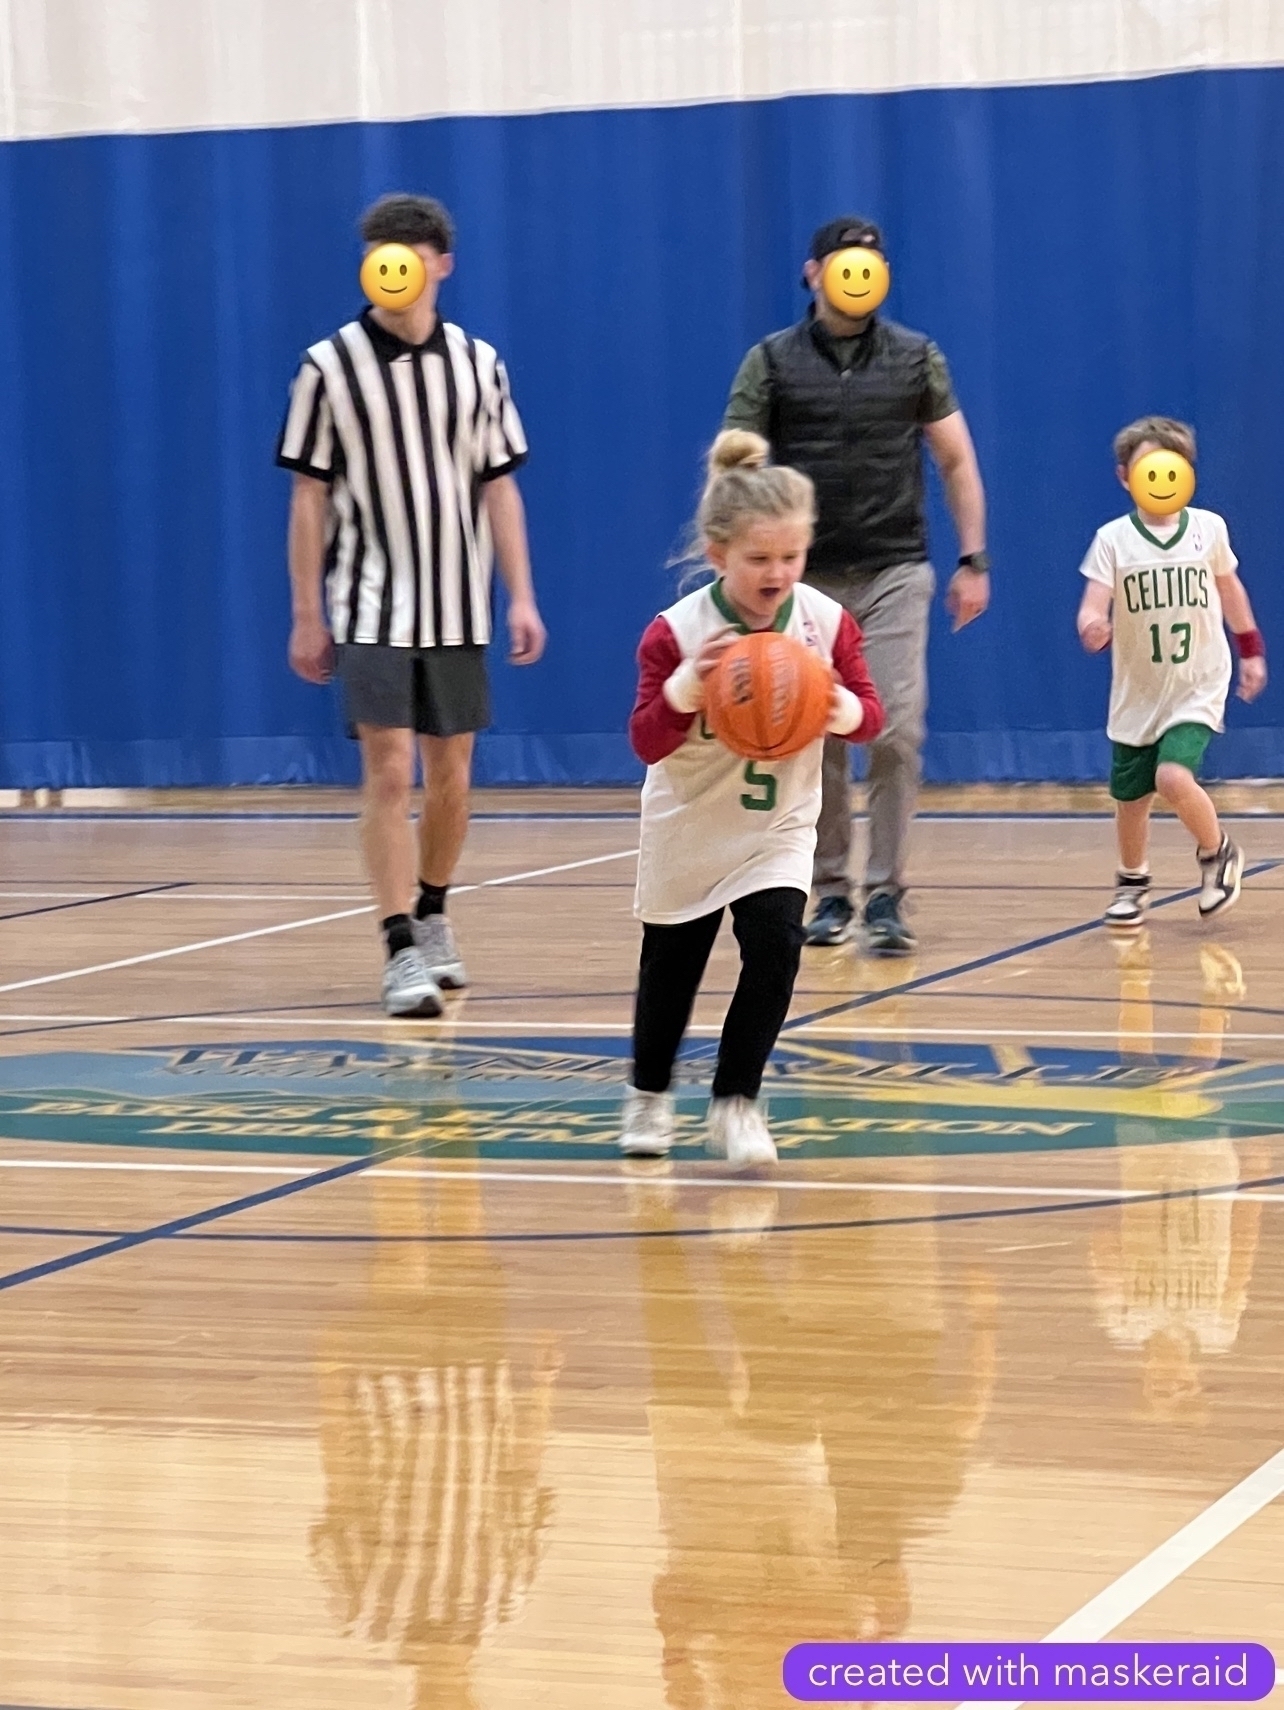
(938, 394)
(749, 405)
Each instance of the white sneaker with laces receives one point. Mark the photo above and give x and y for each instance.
(1127, 913)
(1221, 875)
(435, 941)
(408, 987)
(647, 1127)
(737, 1131)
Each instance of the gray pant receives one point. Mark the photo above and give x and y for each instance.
(892, 609)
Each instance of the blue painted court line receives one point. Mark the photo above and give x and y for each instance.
(1114, 1000)
(865, 999)
(95, 902)
(60, 1235)
(194, 1220)
(180, 1230)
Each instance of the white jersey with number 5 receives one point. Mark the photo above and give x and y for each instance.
(1172, 661)
(716, 827)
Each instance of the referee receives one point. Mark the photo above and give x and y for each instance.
(403, 441)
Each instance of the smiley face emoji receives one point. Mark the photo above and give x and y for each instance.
(1161, 482)
(855, 281)
(393, 276)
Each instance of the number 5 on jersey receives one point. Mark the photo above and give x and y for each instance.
(761, 798)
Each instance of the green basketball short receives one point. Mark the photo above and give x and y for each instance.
(1132, 770)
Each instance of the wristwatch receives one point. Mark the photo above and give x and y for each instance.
(978, 561)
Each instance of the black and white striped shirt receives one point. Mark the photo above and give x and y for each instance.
(407, 437)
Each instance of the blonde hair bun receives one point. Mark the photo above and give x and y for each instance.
(737, 448)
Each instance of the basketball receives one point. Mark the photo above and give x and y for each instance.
(768, 696)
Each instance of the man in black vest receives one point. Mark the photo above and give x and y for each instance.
(850, 400)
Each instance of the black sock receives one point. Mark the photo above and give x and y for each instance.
(432, 900)
(398, 933)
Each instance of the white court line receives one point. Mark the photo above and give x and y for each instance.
(458, 1020)
(289, 926)
(1153, 1573)
(622, 1179)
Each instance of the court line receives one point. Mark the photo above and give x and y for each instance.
(564, 1237)
(864, 999)
(1166, 1563)
(90, 902)
(619, 1178)
(177, 1226)
(1082, 997)
(288, 926)
(458, 1021)
(189, 1228)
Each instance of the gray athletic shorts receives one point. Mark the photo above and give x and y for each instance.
(434, 691)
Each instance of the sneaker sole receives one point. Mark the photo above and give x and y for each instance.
(429, 1007)
(653, 1149)
(1123, 925)
(450, 976)
(843, 935)
(889, 952)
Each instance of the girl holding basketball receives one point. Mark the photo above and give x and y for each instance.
(719, 830)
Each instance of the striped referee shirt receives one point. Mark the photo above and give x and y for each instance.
(406, 436)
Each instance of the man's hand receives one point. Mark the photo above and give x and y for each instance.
(1096, 634)
(312, 650)
(967, 596)
(1252, 679)
(526, 633)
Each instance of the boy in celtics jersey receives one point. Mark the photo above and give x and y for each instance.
(1163, 588)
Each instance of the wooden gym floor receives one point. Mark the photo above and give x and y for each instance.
(345, 1366)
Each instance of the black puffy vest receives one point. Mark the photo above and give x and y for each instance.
(857, 433)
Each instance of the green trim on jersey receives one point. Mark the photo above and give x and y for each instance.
(724, 605)
(1163, 545)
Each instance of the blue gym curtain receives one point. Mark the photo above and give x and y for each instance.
(1082, 253)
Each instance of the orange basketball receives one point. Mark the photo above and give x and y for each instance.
(768, 696)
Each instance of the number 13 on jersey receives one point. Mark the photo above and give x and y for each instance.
(1180, 633)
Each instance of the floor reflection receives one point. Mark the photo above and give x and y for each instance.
(432, 1440)
(802, 1451)
(1172, 1274)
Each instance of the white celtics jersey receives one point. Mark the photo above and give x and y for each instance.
(1172, 661)
(715, 827)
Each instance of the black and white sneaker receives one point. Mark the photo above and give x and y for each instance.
(886, 934)
(832, 923)
(1127, 913)
(1222, 874)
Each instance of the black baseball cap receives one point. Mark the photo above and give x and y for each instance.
(850, 231)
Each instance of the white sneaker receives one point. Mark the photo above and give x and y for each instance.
(646, 1130)
(408, 987)
(435, 941)
(736, 1130)
(1127, 913)
(1220, 878)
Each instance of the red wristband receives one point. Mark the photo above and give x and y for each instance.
(1249, 643)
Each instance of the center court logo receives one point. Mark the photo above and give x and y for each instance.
(558, 1097)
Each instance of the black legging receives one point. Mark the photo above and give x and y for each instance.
(768, 928)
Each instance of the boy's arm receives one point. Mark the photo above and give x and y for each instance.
(311, 644)
(526, 632)
(1238, 612)
(1094, 616)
